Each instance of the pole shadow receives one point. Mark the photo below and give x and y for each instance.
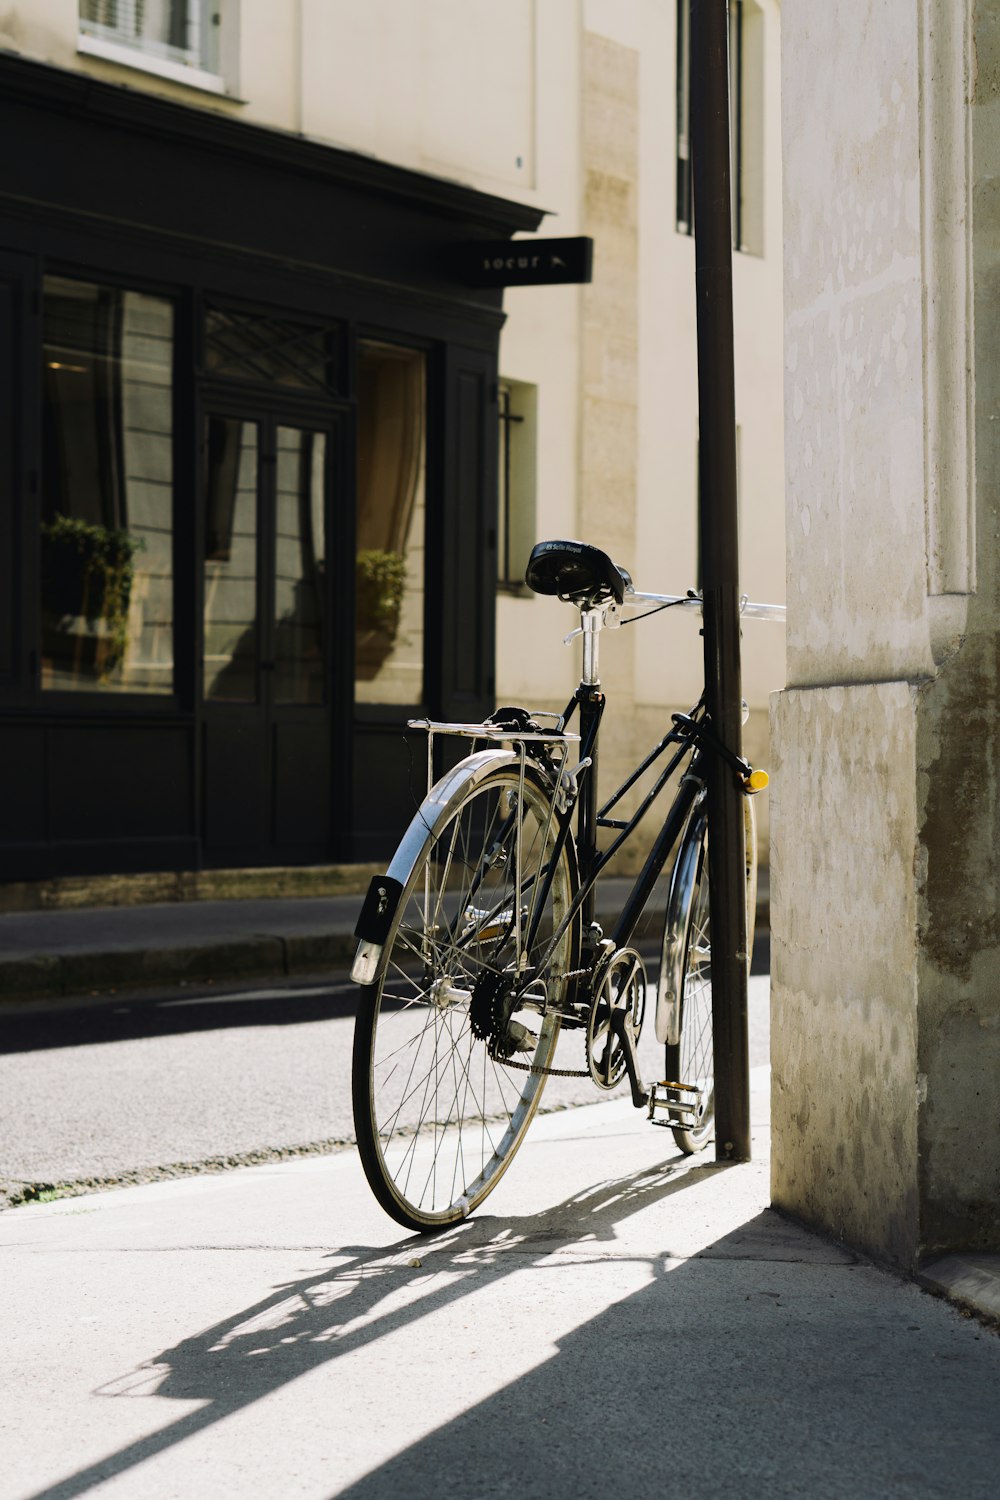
(769, 1365)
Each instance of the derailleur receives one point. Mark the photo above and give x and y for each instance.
(494, 1000)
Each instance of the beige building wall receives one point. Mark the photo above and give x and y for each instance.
(620, 467)
(569, 105)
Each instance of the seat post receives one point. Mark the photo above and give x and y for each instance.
(591, 623)
(591, 701)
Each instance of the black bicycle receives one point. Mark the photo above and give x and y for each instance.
(479, 946)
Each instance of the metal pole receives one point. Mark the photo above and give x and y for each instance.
(718, 530)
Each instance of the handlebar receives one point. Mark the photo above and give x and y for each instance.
(752, 611)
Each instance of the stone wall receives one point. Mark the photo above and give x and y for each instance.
(886, 946)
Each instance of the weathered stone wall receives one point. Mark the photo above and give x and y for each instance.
(885, 885)
(843, 946)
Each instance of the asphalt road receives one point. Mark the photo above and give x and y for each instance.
(152, 1086)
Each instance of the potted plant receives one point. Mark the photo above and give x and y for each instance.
(380, 583)
(87, 573)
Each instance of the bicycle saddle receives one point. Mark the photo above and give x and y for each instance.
(576, 571)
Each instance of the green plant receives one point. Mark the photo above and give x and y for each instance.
(381, 583)
(90, 572)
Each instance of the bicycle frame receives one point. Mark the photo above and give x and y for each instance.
(689, 735)
(590, 703)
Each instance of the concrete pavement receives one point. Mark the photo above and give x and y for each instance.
(616, 1318)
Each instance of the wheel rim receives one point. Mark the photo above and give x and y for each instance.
(446, 1116)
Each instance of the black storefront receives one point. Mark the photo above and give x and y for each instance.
(247, 483)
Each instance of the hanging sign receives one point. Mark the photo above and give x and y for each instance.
(526, 262)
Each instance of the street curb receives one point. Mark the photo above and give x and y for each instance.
(969, 1279)
(33, 978)
(173, 887)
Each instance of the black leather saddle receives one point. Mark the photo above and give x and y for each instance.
(576, 571)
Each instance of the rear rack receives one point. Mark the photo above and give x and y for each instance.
(556, 739)
(498, 732)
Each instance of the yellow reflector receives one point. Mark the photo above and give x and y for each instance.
(757, 781)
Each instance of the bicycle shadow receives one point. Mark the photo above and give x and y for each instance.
(364, 1294)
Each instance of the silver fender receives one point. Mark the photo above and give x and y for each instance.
(441, 801)
(685, 871)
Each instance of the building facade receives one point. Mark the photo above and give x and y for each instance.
(272, 465)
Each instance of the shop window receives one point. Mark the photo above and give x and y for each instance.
(391, 499)
(107, 491)
(746, 123)
(269, 350)
(294, 554)
(229, 627)
(176, 38)
(518, 410)
(300, 566)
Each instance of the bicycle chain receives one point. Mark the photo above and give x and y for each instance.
(536, 1068)
(550, 1072)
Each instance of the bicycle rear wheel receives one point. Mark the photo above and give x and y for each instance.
(450, 1042)
(689, 1051)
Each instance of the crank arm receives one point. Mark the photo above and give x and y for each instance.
(640, 1094)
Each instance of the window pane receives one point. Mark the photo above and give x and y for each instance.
(230, 572)
(685, 183)
(685, 221)
(244, 346)
(389, 650)
(180, 31)
(300, 567)
(107, 527)
(518, 410)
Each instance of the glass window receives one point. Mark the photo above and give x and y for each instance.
(230, 578)
(268, 350)
(685, 185)
(107, 511)
(392, 444)
(518, 403)
(185, 32)
(300, 566)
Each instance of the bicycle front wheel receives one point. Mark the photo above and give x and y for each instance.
(453, 1038)
(689, 1051)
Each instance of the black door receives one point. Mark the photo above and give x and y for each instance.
(268, 777)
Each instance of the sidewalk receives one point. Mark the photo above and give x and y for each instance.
(79, 951)
(617, 1317)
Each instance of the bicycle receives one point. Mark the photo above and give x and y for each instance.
(479, 946)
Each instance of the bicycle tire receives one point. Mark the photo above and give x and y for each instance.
(438, 1119)
(687, 931)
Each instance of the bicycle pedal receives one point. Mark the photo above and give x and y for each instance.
(682, 1104)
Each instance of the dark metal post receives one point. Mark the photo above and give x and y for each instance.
(718, 530)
